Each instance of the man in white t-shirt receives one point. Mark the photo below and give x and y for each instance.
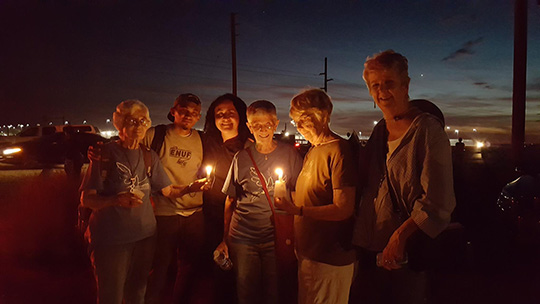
(180, 221)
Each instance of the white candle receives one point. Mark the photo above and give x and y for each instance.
(280, 189)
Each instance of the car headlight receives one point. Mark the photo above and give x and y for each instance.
(11, 151)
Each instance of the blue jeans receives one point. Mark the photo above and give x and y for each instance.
(256, 272)
(122, 270)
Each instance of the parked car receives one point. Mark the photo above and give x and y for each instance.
(39, 146)
(36, 132)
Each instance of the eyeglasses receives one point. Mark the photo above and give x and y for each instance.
(186, 112)
(301, 122)
(260, 127)
(137, 122)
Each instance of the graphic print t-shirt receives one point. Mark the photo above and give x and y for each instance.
(124, 170)
(250, 223)
(181, 158)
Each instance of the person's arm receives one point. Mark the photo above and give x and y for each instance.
(230, 204)
(342, 206)
(91, 199)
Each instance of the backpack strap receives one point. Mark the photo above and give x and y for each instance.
(159, 137)
(147, 155)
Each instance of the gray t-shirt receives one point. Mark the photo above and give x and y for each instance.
(250, 222)
(124, 170)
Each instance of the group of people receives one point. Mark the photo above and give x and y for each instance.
(155, 206)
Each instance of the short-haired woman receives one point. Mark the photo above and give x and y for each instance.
(249, 233)
(122, 225)
(324, 204)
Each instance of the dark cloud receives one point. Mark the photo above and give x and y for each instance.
(465, 51)
(483, 85)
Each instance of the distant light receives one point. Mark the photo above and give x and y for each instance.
(108, 120)
(38, 125)
(421, 75)
(447, 127)
(11, 151)
(457, 131)
(359, 133)
(28, 125)
(109, 134)
(479, 144)
(50, 123)
(84, 122)
(474, 130)
(296, 144)
(286, 134)
(374, 122)
(66, 122)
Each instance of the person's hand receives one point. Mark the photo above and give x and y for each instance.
(394, 252)
(94, 152)
(198, 185)
(222, 247)
(128, 200)
(287, 206)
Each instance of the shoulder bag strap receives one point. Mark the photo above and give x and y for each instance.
(261, 178)
(398, 208)
(159, 136)
(147, 156)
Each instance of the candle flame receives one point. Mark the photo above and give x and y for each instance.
(208, 170)
(279, 172)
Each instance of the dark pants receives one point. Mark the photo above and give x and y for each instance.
(180, 238)
(122, 270)
(221, 284)
(377, 285)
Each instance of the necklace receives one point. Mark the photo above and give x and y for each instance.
(133, 170)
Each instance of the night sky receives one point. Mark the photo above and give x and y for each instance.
(78, 59)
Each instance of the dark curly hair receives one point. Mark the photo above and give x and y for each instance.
(210, 129)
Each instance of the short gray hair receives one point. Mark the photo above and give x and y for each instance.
(129, 108)
(312, 102)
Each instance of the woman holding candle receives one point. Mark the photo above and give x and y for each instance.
(122, 225)
(225, 133)
(250, 232)
(324, 204)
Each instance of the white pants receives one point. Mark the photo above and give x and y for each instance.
(323, 283)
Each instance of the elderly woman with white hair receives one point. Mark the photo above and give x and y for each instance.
(323, 204)
(122, 226)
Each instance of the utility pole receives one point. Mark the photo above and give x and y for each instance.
(520, 81)
(325, 73)
(233, 52)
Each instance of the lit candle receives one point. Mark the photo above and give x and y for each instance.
(208, 171)
(280, 189)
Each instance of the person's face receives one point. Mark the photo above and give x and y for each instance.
(262, 126)
(135, 127)
(388, 88)
(226, 117)
(309, 127)
(186, 116)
